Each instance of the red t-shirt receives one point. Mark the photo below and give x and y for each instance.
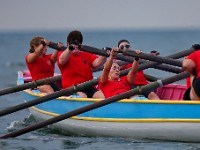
(77, 69)
(112, 88)
(139, 77)
(41, 67)
(195, 58)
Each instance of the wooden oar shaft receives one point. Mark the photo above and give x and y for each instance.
(150, 78)
(181, 54)
(168, 68)
(96, 105)
(67, 91)
(152, 57)
(100, 51)
(164, 67)
(174, 56)
(32, 85)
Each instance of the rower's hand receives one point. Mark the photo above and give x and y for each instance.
(138, 51)
(107, 50)
(45, 42)
(74, 45)
(114, 51)
(60, 44)
(154, 52)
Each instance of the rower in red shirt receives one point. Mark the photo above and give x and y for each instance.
(76, 66)
(110, 83)
(191, 64)
(40, 64)
(140, 79)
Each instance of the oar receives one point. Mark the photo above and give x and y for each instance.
(67, 91)
(158, 59)
(150, 78)
(104, 53)
(152, 57)
(134, 54)
(146, 56)
(48, 97)
(32, 85)
(98, 104)
(162, 67)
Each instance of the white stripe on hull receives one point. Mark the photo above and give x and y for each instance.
(176, 131)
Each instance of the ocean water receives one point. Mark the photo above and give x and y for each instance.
(15, 45)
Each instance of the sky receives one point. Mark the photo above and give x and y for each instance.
(98, 14)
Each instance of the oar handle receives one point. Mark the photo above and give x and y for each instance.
(83, 48)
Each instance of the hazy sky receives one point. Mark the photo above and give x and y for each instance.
(97, 14)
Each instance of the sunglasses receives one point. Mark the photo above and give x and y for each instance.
(124, 46)
(115, 68)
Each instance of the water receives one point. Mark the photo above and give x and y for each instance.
(15, 45)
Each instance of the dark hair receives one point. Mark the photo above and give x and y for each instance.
(75, 37)
(123, 40)
(35, 42)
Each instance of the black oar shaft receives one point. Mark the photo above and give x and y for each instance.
(32, 85)
(150, 78)
(67, 91)
(152, 57)
(98, 104)
(103, 53)
(164, 67)
(122, 73)
(181, 54)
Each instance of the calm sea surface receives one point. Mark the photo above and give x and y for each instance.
(15, 45)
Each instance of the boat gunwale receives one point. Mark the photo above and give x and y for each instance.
(65, 98)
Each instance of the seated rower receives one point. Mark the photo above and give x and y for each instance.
(140, 79)
(191, 64)
(40, 64)
(110, 82)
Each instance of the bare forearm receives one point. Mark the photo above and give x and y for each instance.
(64, 56)
(132, 72)
(54, 56)
(99, 61)
(106, 70)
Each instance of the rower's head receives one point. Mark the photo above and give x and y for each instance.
(75, 39)
(114, 72)
(124, 44)
(35, 42)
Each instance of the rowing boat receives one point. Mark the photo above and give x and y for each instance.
(168, 119)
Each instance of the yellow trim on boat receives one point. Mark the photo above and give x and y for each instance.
(120, 119)
(123, 101)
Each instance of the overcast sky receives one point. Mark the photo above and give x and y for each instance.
(98, 14)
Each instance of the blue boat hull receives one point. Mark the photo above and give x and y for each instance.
(140, 119)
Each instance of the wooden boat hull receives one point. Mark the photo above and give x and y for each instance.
(175, 131)
(139, 119)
